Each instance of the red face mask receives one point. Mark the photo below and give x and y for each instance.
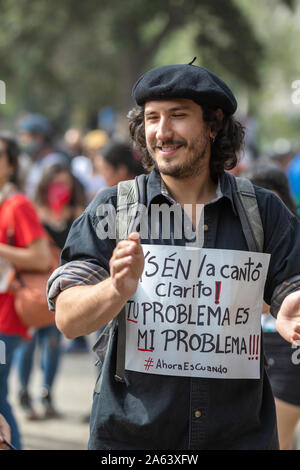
(58, 195)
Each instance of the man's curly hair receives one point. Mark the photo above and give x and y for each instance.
(224, 148)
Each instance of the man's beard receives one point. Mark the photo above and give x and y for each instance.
(192, 166)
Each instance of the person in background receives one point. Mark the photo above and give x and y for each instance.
(118, 162)
(93, 141)
(283, 373)
(36, 140)
(23, 244)
(59, 200)
(73, 142)
(293, 174)
(4, 433)
(84, 166)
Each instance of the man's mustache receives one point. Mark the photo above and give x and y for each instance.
(165, 143)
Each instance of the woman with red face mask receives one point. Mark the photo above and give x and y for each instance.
(59, 200)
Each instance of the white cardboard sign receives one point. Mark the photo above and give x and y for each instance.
(197, 313)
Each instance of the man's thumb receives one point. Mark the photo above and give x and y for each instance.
(134, 236)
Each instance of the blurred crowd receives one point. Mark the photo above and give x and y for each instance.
(45, 184)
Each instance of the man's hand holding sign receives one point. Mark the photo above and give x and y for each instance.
(103, 300)
(126, 265)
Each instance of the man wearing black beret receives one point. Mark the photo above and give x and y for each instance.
(183, 126)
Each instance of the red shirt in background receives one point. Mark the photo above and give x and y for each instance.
(18, 218)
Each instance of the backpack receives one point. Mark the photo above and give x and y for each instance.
(128, 198)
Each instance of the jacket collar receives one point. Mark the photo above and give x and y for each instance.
(156, 189)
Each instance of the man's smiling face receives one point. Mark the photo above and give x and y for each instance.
(177, 138)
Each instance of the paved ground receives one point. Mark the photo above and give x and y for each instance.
(73, 395)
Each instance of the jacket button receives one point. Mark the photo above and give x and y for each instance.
(198, 414)
(205, 228)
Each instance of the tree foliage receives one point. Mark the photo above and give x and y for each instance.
(69, 58)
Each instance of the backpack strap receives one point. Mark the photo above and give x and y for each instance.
(127, 207)
(127, 203)
(246, 205)
(250, 217)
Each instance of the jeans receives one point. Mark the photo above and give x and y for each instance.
(10, 343)
(49, 339)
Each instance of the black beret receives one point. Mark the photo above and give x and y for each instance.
(184, 81)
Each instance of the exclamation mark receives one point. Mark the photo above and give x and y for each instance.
(250, 344)
(218, 292)
(257, 345)
(253, 347)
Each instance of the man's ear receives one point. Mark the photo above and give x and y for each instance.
(217, 124)
(219, 114)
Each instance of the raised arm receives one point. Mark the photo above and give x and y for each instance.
(80, 310)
